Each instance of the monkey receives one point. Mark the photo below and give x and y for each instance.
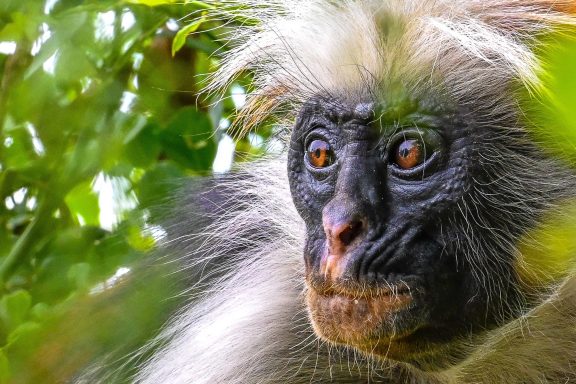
(392, 238)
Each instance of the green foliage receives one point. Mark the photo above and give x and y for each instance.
(550, 112)
(100, 119)
(180, 38)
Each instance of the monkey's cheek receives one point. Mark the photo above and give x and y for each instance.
(366, 323)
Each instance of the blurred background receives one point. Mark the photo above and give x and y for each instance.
(100, 121)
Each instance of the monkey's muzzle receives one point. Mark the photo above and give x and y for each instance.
(364, 320)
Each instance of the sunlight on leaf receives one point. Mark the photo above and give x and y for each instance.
(181, 35)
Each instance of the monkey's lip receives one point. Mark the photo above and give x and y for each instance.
(357, 291)
(357, 317)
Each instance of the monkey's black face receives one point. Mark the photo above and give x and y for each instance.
(377, 189)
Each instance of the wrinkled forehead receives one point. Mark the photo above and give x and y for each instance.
(382, 113)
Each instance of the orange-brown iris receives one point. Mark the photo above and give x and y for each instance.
(409, 154)
(320, 154)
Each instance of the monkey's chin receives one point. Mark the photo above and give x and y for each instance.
(369, 322)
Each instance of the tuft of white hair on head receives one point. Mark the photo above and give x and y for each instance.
(299, 48)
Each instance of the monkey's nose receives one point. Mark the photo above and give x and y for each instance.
(344, 234)
(341, 232)
(340, 236)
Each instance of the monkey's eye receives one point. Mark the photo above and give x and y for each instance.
(413, 151)
(319, 154)
(409, 153)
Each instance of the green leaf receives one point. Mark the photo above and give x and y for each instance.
(22, 27)
(153, 3)
(24, 336)
(14, 308)
(83, 201)
(180, 37)
(49, 48)
(550, 112)
(189, 140)
(143, 150)
(137, 123)
(158, 183)
(4, 368)
(72, 65)
(20, 153)
(79, 274)
(139, 240)
(41, 311)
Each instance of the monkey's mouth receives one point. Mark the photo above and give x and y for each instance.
(366, 320)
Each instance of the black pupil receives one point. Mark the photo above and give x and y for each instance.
(406, 146)
(319, 154)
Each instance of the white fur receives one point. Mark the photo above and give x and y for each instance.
(303, 47)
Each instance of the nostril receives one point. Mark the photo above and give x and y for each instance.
(349, 232)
